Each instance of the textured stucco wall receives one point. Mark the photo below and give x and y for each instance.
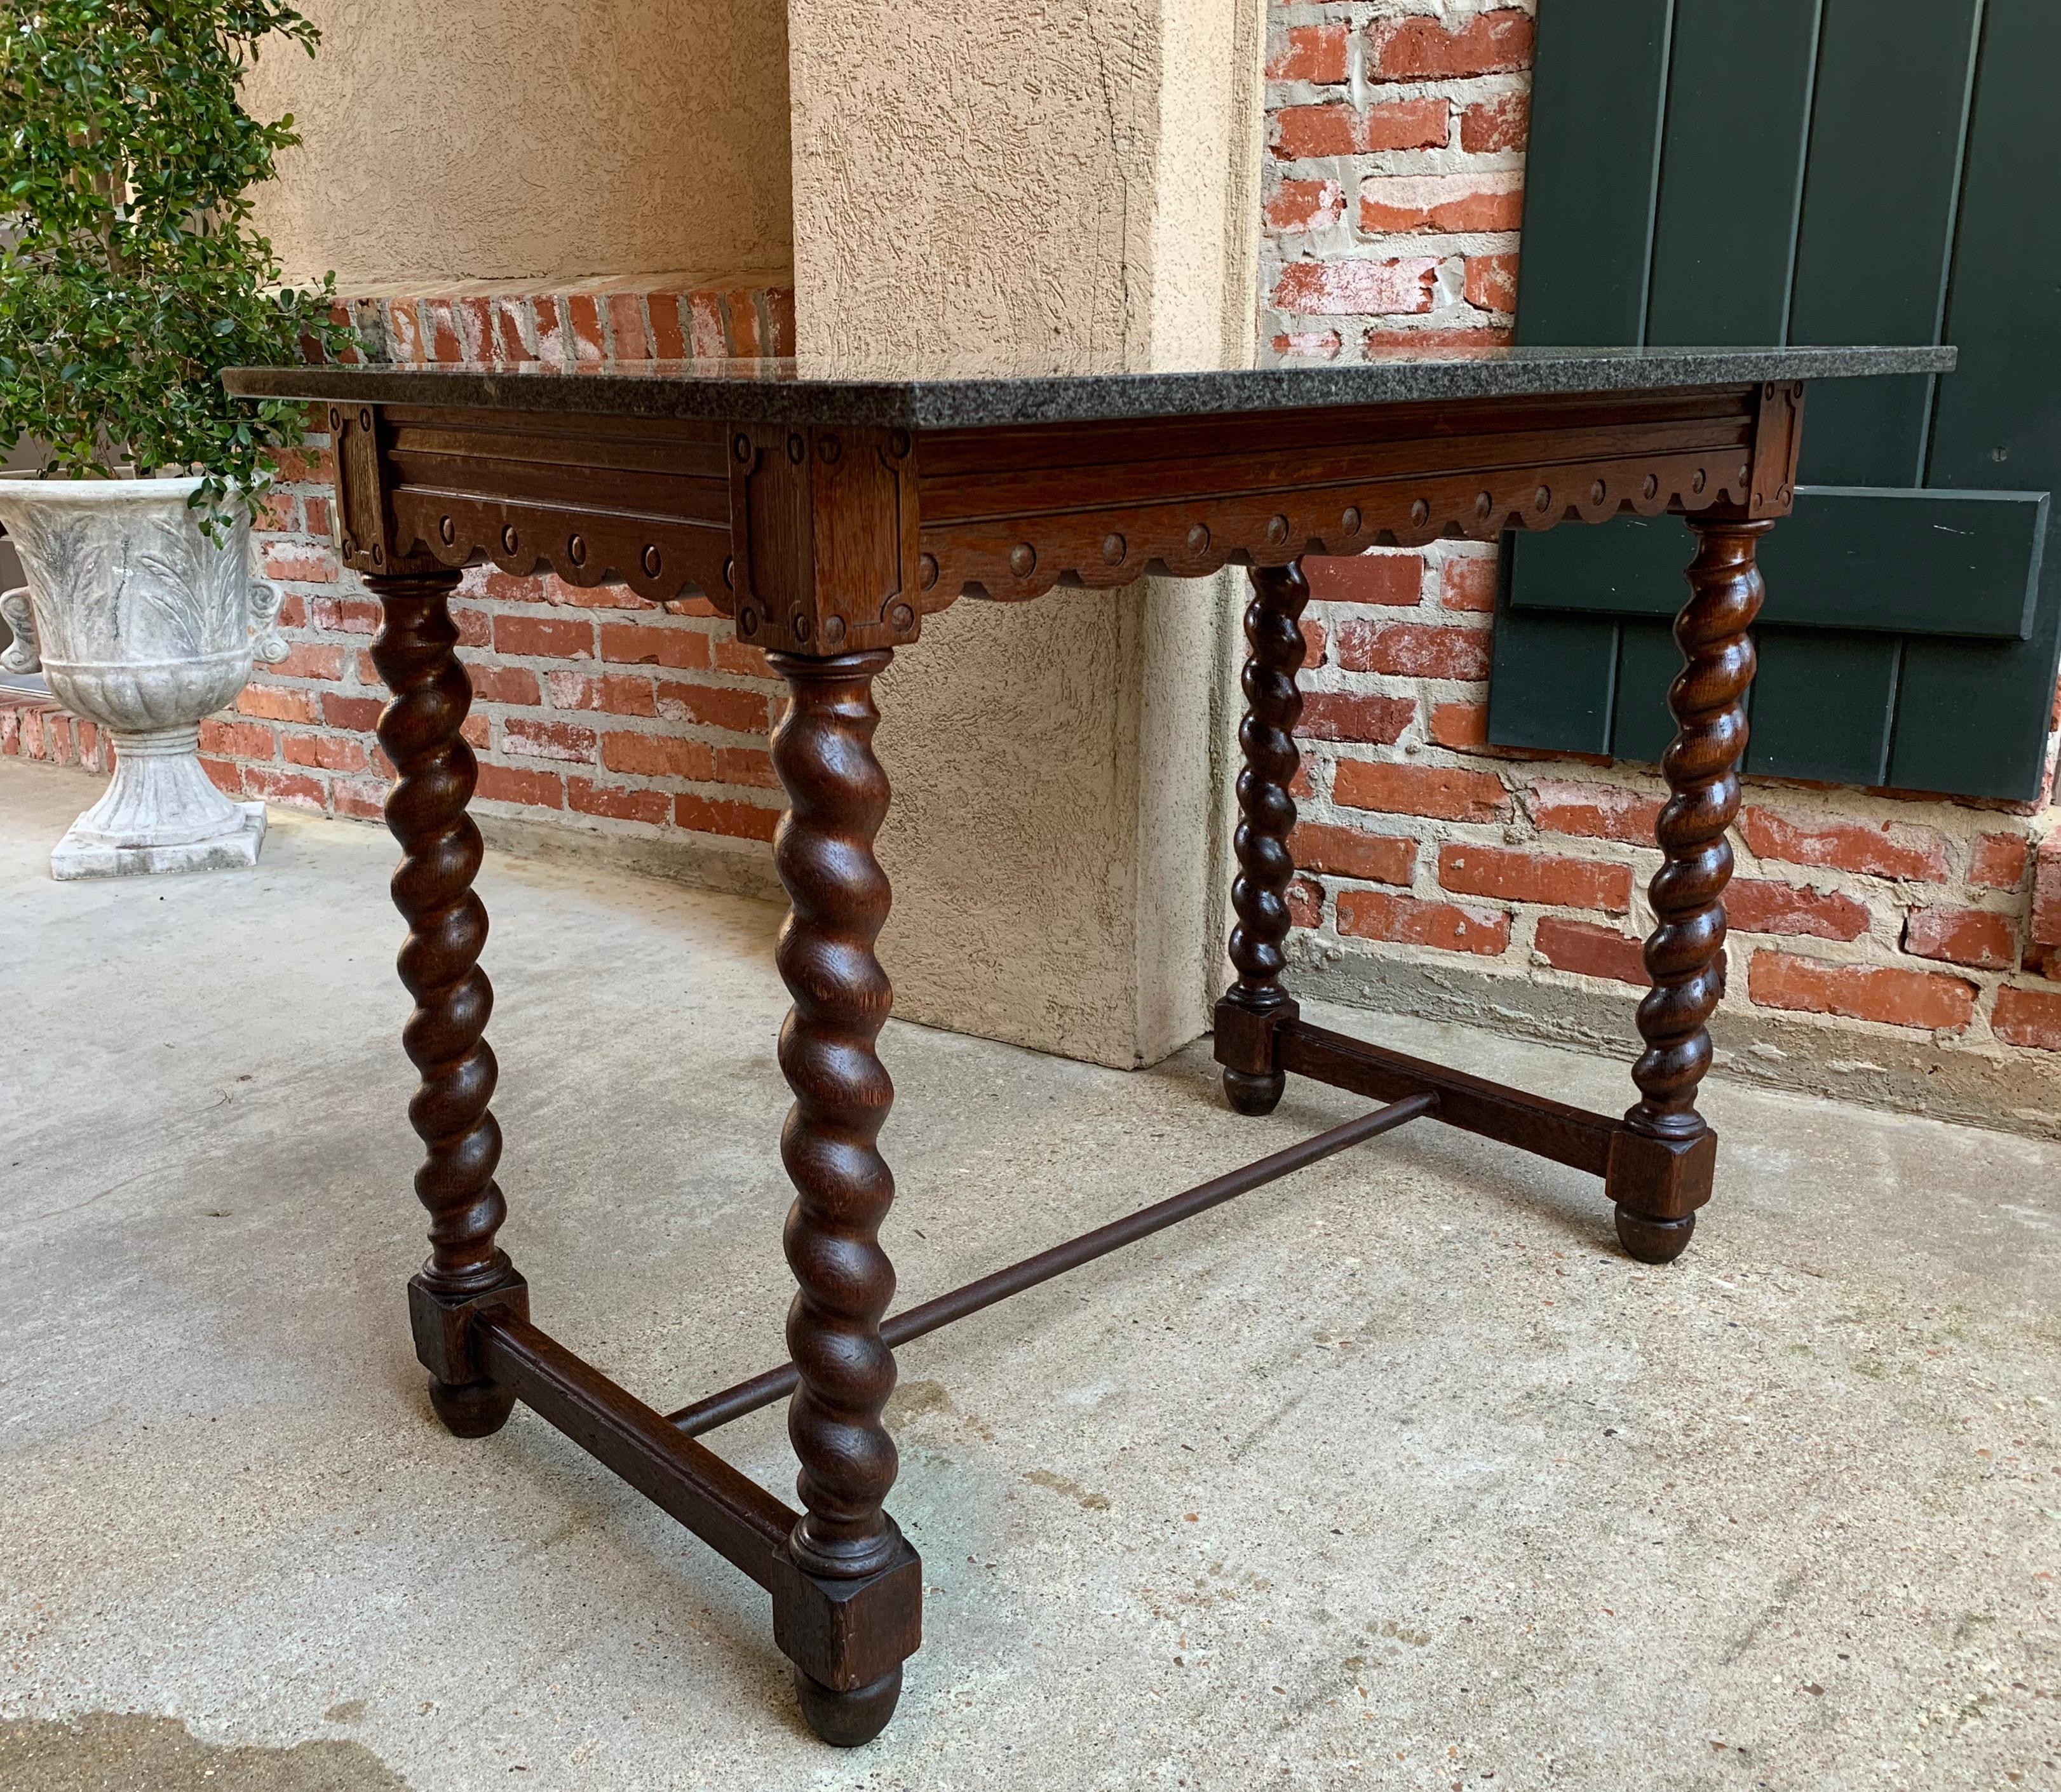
(1071, 178)
(551, 141)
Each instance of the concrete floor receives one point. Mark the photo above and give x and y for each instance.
(1396, 1473)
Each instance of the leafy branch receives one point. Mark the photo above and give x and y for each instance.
(129, 275)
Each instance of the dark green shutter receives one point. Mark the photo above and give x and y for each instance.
(1706, 171)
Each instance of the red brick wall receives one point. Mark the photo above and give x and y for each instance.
(1394, 192)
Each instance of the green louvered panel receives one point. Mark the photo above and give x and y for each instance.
(1818, 171)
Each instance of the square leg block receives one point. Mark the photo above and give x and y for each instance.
(1245, 1036)
(847, 1633)
(442, 1326)
(1659, 1177)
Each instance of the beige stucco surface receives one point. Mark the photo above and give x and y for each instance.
(1075, 177)
(550, 140)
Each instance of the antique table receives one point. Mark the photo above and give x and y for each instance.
(826, 510)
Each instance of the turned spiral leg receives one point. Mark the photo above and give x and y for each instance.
(1267, 816)
(838, 898)
(440, 850)
(1685, 955)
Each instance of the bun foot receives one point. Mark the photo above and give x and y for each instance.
(846, 1720)
(1254, 1095)
(1654, 1241)
(478, 1410)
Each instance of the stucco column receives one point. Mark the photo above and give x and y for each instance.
(1057, 176)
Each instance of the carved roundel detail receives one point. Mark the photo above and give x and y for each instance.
(447, 528)
(509, 539)
(833, 631)
(747, 621)
(576, 550)
(902, 617)
(797, 449)
(1199, 538)
(652, 559)
(926, 570)
(1350, 521)
(831, 450)
(1277, 530)
(1420, 512)
(1023, 559)
(1701, 480)
(1598, 492)
(1543, 498)
(740, 445)
(1651, 488)
(1484, 504)
(1114, 548)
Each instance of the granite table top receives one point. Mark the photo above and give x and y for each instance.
(964, 392)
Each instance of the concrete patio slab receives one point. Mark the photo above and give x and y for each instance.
(1397, 1474)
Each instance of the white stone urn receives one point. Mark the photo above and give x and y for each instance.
(144, 624)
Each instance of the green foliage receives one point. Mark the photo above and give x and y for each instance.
(131, 278)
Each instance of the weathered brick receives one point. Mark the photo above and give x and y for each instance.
(740, 657)
(238, 740)
(1302, 132)
(646, 644)
(1305, 204)
(1594, 811)
(1997, 861)
(530, 738)
(474, 626)
(1361, 286)
(1957, 936)
(1427, 340)
(1467, 584)
(1590, 950)
(1516, 876)
(2028, 1018)
(1316, 644)
(1305, 902)
(345, 615)
(618, 693)
(1502, 123)
(1392, 204)
(1881, 850)
(340, 709)
(544, 637)
(1451, 793)
(1309, 345)
(2047, 893)
(743, 712)
(325, 752)
(274, 784)
(225, 775)
(363, 799)
(1449, 926)
(1384, 579)
(1918, 999)
(1427, 49)
(1345, 852)
(308, 659)
(1371, 719)
(746, 765)
(717, 815)
(1491, 283)
(300, 561)
(1315, 53)
(511, 784)
(504, 684)
(1461, 726)
(1769, 905)
(657, 756)
(618, 803)
(1414, 649)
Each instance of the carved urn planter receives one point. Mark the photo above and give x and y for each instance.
(144, 624)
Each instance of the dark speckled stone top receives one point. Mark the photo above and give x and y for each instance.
(961, 394)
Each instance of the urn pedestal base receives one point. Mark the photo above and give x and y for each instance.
(81, 855)
(160, 813)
